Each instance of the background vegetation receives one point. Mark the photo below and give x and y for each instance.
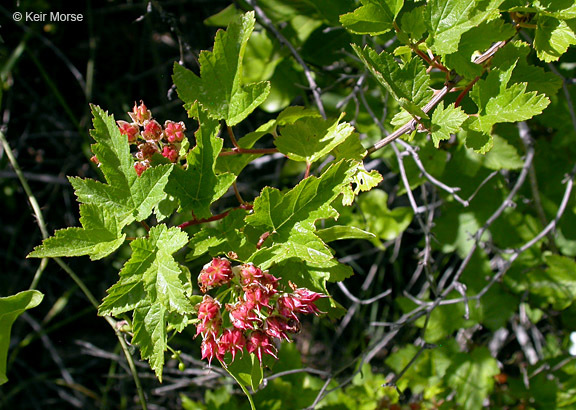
(465, 295)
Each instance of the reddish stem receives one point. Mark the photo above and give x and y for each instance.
(145, 225)
(465, 91)
(232, 137)
(223, 215)
(307, 173)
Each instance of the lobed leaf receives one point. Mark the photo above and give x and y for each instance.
(151, 272)
(553, 37)
(150, 334)
(219, 89)
(100, 236)
(446, 121)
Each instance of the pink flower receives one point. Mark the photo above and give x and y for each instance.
(140, 113)
(152, 130)
(130, 130)
(174, 131)
(141, 166)
(209, 317)
(259, 342)
(209, 349)
(215, 273)
(304, 301)
(170, 152)
(242, 315)
(146, 150)
(258, 296)
(286, 306)
(231, 341)
(249, 274)
(277, 326)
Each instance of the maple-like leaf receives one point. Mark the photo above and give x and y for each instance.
(499, 103)
(127, 196)
(446, 121)
(553, 37)
(219, 90)
(99, 237)
(152, 273)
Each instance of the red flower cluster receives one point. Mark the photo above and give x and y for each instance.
(260, 311)
(150, 137)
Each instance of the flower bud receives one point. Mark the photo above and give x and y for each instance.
(174, 131)
(140, 113)
(152, 130)
(170, 152)
(130, 130)
(141, 166)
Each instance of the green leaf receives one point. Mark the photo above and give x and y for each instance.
(446, 121)
(499, 103)
(307, 201)
(553, 37)
(10, 308)
(127, 196)
(152, 265)
(226, 236)
(447, 20)
(502, 156)
(472, 376)
(561, 9)
(311, 139)
(150, 335)
(373, 17)
(294, 113)
(220, 90)
(339, 232)
(380, 220)
(407, 83)
(556, 284)
(290, 218)
(517, 52)
(412, 22)
(362, 181)
(198, 186)
(99, 237)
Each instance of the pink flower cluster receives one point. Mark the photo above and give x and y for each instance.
(260, 312)
(150, 137)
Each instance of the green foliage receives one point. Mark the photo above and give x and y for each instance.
(373, 17)
(408, 84)
(198, 186)
(220, 89)
(454, 77)
(10, 308)
(310, 139)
